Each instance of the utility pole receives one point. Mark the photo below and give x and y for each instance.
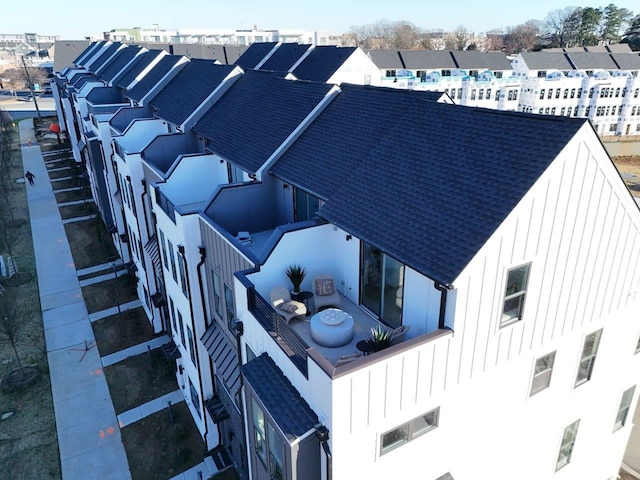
(35, 100)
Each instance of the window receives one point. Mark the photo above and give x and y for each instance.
(390, 73)
(163, 247)
(580, 93)
(542, 94)
(172, 262)
(481, 94)
(473, 94)
(542, 373)
(617, 92)
(550, 94)
(181, 323)
(173, 314)
(566, 446)
(573, 93)
(183, 277)
(497, 95)
(217, 293)
(195, 398)
(276, 464)
(638, 345)
(591, 92)
(623, 409)
(562, 111)
(459, 94)
(557, 93)
(409, 431)
(269, 446)
(259, 437)
(612, 127)
(381, 283)
(515, 292)
(566, 93)
(231, 311)
(488, 94)
(192, 352)
(588, 357)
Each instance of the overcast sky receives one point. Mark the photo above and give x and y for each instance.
(75, 19)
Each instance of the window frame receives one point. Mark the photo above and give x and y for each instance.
(591, 357)
(569, 436)
(410, 430)
(508, 297)
(546, 372)
(230, 311)
(623, 408)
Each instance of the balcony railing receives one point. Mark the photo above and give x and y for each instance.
(167, 206)
(278, 328)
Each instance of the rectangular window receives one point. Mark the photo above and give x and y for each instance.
(481, 94)
(638, 345)
(163, 247)
(181, 324)
(276, 464)
(173, 314)
(566, 93)
(231, 311)
(172, 261)
(558, 93)
(409, 431)
(217, 293)
(497, 95)
(473, 94)
(195, 398)
(542, 373)
(623, 409)
(542, 94)
(550, 94)
(183, 277)
(488, 94)
(573, 93)
(515, 292)
(192, 351)
(459, 94)
(566, 446)
(588, 357)
(259, 438)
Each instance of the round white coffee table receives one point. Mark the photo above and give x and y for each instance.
(332, 328)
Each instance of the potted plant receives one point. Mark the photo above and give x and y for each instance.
(380, 338)
(296, 274)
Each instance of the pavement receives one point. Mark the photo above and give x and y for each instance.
(631, 460)
(87, 427)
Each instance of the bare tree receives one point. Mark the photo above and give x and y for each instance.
(13, 317)
(558, 25)
(462, 37)
(522, 38)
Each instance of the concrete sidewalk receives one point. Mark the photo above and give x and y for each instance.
(87, 427)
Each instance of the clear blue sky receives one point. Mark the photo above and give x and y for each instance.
(75, 19)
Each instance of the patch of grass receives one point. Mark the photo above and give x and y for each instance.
(137, 380)
(157, 450)
(118, 332)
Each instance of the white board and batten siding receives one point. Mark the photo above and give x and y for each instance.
(579, 228)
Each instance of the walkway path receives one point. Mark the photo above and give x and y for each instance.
(86, 423)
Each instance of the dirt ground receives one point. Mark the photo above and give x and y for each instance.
(28, 440)
(90, 243)
(174, 448)
(629, 168)
(110, 293)
(121, 331)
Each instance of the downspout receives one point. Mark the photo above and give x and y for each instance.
(322, 433)
(239, 327)
(193, 330)
(443, 288)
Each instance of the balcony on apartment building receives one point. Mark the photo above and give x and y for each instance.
(105, 100)
(137, 135)
(123, 118)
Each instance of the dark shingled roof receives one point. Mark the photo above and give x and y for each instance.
(427, 59)
(256, 115)
(627, 61)
(188, 89)
(233, 52)
(376, 107)
(152, 78)
(123, 57)
(255, 54)
(620, 48)
(145, 59)
(88, 53)
(104, 56)
(592, 61)
(474, 60)
(290, 411)
(285, 57)
(67, 52)
(433, 186)
(497, 61)
(546, 61)
(322, 63)
(386, 59)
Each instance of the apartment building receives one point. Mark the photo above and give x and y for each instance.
(504, 246)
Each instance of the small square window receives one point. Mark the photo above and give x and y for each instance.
(395, 438)
(515, 292)
(542, 373)
(425, 423)
(623, 409)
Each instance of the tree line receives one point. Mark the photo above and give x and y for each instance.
(567, 27)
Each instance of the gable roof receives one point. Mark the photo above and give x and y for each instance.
(188, 89)
(144, 60)
(435, 181)
(546, 61)
(386, 59)
(88, 53)
(152, 78)
(104, 57)
(253, 55)
(285, 57)
(283, 402)
(254, 117)
(627, 61)
(122, 58)
(427, 59)
(343, 134)
(322, 63)
(588, 60)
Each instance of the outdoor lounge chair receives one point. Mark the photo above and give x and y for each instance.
(344, 359)
(397, 335)
(284, 306)
(325, 293)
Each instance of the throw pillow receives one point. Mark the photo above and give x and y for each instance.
(288, 307)
(324, 287)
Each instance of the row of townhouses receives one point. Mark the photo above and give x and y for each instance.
(500, 248)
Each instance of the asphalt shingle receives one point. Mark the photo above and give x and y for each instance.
(386, 59)
(285, 57)
(253, 55)
(188, 89)
(322, 63)
(135, 70)
(152, 78)
(104, 57)
(592, 61)
(256, 115)
(123, 57)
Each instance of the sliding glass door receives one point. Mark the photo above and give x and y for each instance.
(381, 285)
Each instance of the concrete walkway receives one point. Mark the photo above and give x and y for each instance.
(114, 310)
(86, 423)
(149, 408)
(135, 350)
